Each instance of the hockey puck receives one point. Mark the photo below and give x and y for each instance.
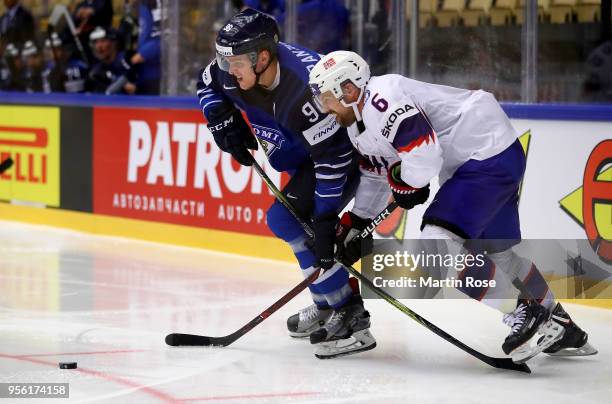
(68, 365)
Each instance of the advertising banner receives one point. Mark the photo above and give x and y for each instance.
(164, 166)
(31, 137)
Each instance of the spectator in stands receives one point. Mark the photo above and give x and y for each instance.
(33, 67)
(598, 84)
(51, 75)
(5, 73)
(323, 25)
(15, 80)
(89, 14)
(128, 27)
(110, 70)
(146, 62)
(377, 38)
(65, 70)
(16, 25)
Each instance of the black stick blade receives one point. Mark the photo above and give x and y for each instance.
(177, 339)
(505, 363)
(6, 164)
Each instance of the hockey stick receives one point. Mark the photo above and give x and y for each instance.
(177, 339)
(61, 11)
(5, 165)
(501, 363)
(116, 85)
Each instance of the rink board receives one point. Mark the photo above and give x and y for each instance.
(148, 168)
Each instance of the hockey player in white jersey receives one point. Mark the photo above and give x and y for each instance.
(411, 132)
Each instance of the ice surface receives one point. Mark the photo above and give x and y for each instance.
(107, 303)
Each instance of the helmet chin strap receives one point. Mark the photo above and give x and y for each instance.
(360, 124)
(355, 106)
(258, 75)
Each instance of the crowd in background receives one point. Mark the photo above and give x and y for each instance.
(323, 25)
(121, 54)
(125, 59)
(86, 54)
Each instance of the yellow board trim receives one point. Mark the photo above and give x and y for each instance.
(218, 240)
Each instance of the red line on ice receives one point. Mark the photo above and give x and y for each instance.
(145, 389)
(81, 353)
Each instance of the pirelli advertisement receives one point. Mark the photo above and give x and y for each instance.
(163, 165)
(31, 137)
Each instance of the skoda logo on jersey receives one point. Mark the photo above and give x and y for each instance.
(389, 128)
(270, 139)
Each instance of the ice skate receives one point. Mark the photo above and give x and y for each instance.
(307, 320)
(574, 341)
(532, 331)
(345, 333)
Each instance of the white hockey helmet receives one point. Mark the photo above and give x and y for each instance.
(338, 68)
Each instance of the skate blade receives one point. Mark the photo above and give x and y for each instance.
(548, 333)
(358, 342)
(306, 333)
(585, 350)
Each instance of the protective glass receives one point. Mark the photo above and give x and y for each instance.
(237, 62)
(315, 89)
(324, 101)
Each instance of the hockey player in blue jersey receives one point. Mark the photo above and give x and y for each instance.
(65, 71)
(110, 68)
(268, 80)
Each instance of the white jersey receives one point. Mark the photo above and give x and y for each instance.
(431, 129)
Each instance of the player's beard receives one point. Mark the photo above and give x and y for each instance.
(345, 120)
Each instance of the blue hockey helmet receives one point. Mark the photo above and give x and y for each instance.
(247, 33)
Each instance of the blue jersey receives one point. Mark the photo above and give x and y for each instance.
(72, 79)
(76, 73)
(149, 44)
(102, 75)
(287, 123)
